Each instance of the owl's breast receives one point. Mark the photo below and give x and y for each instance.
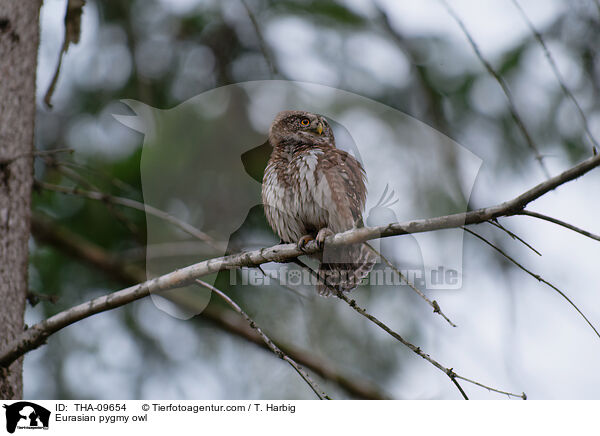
(296, 195)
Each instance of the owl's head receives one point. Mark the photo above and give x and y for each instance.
(292, 127)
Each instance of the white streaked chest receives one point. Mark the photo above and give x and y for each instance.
(298, 196)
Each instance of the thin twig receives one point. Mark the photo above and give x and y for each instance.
(560, 223)
(511, 105)
(536, 276)
(71, 36)
(276, 350)
(133, 204)
(78, 178)
(35, 153)
(432, 96)
(117, 183)
(510, 394)
(53, 151)
(261, 41)
(559, 77)
(167, 249)
(35, 297)
(512, 235)
(417, 350)
(434, 304)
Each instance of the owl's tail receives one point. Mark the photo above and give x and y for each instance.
(343, 268)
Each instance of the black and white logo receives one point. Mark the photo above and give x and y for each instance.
(26, 415)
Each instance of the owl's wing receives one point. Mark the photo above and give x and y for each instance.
(346, 179)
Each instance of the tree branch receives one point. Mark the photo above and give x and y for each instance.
(223, 319)
(560, 223)
(511, 104)
(274, 348)
(37, 334)
(495, 223)
(535, 276)
(434, 304)
(72, 35)
(133, 204)
(417, 350)
(261, 42)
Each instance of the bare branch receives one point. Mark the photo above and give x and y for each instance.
(150, 210)
(560, 223)
(78, 247)
(36, 335)
(354, 384)
(417, 350)
(117, 183)
(226, 320)
(507, 208)
(536, 276)
(509, 394)
(274, 348)
(261, 41)
(34, 153)
(495, 223)
(168, 249)
(72, 35)
(78, 178)
(34, 298)
(511, 104)
(53, 151)
(431, 96)
(434, 304)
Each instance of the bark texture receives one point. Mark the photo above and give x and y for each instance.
(19, 37)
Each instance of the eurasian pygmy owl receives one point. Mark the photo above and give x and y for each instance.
(311, 190)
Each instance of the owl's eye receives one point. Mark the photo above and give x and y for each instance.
(305, 122)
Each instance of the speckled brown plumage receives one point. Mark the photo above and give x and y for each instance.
(312, 189)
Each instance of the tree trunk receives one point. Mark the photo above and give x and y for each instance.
(18, 59)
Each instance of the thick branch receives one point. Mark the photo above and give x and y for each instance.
(36, 335)
(223, 319)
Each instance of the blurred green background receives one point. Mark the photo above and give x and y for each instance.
(513, 333)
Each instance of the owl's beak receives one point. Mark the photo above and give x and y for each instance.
(320, 128)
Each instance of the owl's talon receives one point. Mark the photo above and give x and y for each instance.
(303, 241)
(323, 234)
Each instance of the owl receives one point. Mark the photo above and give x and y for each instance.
(311, 190)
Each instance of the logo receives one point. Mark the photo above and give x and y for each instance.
(26, 415)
